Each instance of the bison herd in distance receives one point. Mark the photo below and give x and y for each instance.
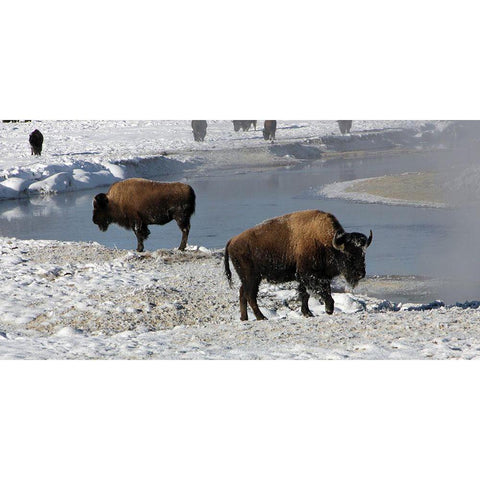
(309, 247)
(199, 129)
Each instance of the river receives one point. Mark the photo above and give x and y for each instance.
(407, 241)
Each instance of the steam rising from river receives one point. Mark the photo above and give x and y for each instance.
(459, 259)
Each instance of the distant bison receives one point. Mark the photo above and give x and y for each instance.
(36, 142)
(344, 126)
(310, 247)
(244, 125)
(199, 128)
(136, 203)
(269, 128)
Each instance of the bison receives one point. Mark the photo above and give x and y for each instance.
(244, 125)
(36, 142)
(136, 203)
(310, 247)
(199, 128)
(269, 128)
(344, 126)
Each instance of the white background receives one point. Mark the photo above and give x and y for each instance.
(291, 60)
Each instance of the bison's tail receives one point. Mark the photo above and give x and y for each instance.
(228, 273)
(192, 200)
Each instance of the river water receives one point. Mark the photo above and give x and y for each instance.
(407, 241)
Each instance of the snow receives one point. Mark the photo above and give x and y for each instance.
(341, 190)
(72, 300)
(86, 154)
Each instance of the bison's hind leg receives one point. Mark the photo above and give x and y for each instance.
(248, 293)
(183, 223)
(243, 304)
(251, 292)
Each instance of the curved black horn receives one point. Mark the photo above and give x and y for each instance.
(369, 240)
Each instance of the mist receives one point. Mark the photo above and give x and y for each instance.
(459, 179)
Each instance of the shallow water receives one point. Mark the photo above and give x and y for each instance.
(408, 241)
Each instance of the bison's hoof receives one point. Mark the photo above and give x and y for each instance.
(329, 307)
(307, 313)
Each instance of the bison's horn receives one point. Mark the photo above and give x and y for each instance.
(337, 241)
(369, 240)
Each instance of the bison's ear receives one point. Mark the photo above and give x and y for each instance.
(369, 239)
(338, 241)
(100, 201)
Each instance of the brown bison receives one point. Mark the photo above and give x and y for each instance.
(310, 247)
(136, 203)
(199, 128)
(344, 126)
(244, 125)
(36, 142)
(269, 128)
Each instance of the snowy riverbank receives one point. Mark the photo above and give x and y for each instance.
(67, 300)
(86, 154)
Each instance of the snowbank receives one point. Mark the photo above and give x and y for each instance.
(87, 154)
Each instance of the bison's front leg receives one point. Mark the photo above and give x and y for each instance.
(304, 296)
(324, 291)
(141, 232)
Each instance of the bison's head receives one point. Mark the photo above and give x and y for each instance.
(266, 134)
(353, 247)
(101, 216)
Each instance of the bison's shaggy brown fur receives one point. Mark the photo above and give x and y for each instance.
(136, 203)
(309, 246)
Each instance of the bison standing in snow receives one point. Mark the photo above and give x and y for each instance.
(199, 128)
(344, 126)
(36, 142)
(269, 129)
(244, 125)
(310, 247)
(136, 203)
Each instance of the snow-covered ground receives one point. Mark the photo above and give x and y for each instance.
(85, 154)
(73, 300)
(64, 300)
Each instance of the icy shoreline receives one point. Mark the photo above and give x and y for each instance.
(80, 155)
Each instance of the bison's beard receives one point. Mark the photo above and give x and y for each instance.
(100, 222)
(352, 280)
(103, 226)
